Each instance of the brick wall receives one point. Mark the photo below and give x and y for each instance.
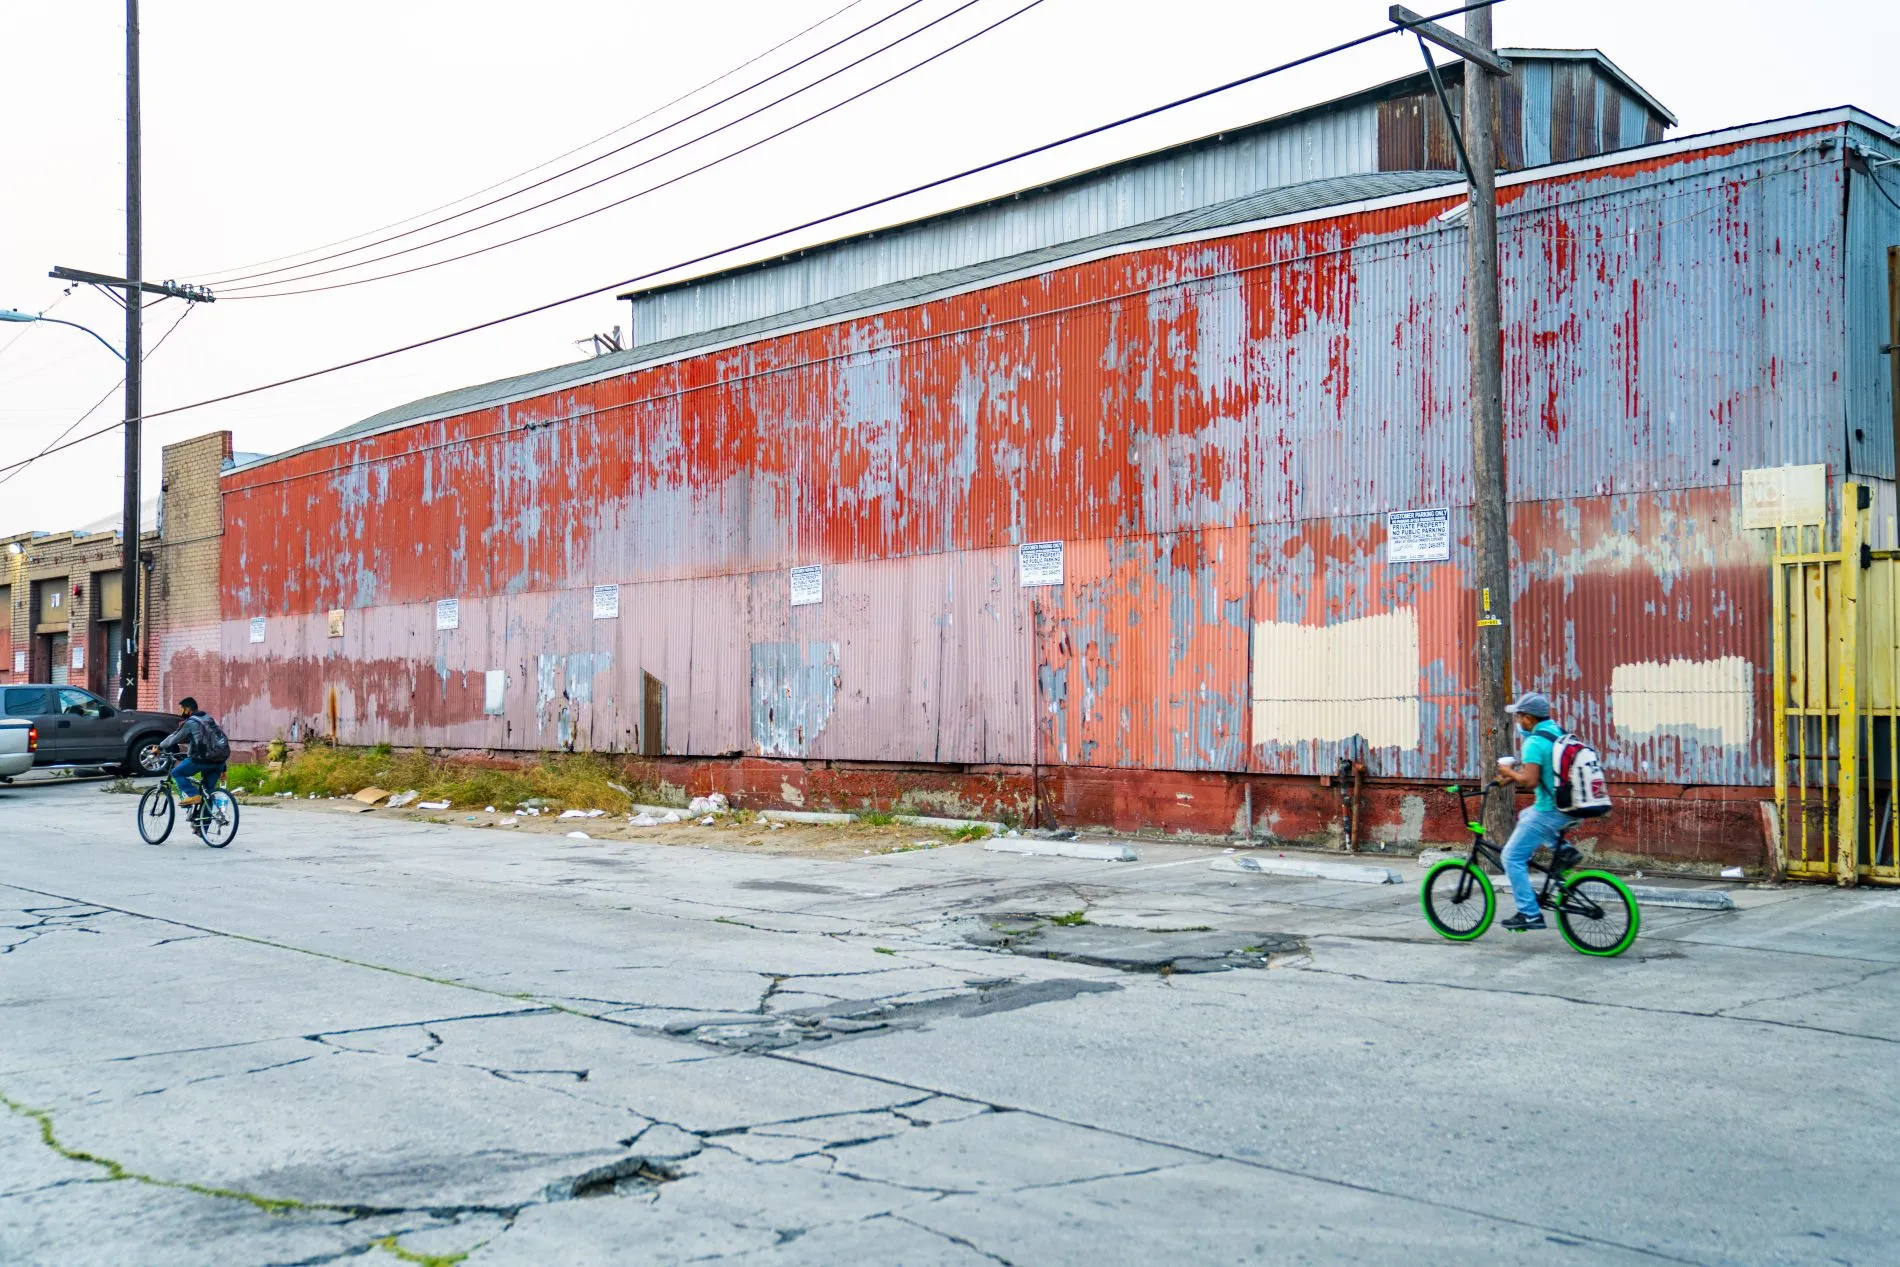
(182, 634)
(32, 564)
(179, 596)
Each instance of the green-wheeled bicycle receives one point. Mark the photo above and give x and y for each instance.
(1595, 911)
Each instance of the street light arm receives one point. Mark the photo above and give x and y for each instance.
(23, 316)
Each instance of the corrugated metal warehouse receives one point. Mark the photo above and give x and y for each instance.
(1214, 375)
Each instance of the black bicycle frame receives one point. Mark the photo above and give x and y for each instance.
(1482, 848)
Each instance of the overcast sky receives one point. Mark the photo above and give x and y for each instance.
(271, 130)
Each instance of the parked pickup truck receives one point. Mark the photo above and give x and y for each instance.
(18, 741)
(77, 728)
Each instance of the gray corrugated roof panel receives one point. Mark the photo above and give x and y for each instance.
(1287, 200)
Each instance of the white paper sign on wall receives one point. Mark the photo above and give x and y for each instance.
(1039, 563)
(79, 655)
(808, 585)
(606, 602)
(257, 629)
(1418, 536)
(1774, 496)
(335, 619)
(494, 692)
(448, 613)
(19, 661)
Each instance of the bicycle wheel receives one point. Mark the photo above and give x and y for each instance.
(219, 824)
(1596, 913)
(1458, 900)
(156, 814)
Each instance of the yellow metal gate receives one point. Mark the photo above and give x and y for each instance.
(1837, 701)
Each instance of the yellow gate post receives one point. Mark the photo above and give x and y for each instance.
(1847, 649)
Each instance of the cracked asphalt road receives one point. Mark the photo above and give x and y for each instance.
(355, 1039)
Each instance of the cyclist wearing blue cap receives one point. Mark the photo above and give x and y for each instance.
(1539, 823)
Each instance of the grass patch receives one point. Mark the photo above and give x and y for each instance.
(972, 832)
(883, 950)
(1071, 920)
(562, 780)
(876, 817)
(391, 1245)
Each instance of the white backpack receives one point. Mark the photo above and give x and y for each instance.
(1582, 791)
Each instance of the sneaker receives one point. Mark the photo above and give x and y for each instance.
(189, 800)
(1519, 924)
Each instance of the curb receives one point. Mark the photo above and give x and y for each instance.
(1351, 872)
(1062, 849)
(1693, 899)
(807, 816)
(951, 824)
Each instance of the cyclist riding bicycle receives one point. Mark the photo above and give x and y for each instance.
(1539, 823)
(206, 751)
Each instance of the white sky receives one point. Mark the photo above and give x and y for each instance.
(270, 130)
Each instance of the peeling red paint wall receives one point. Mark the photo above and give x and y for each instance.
(1215, 428)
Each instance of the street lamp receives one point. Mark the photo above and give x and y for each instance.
(12, 314)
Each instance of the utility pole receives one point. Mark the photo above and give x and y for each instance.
(1491, 513)
(1491, 532)
(130, 631)
(134, 289)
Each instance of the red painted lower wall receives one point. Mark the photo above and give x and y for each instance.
(1662, 825)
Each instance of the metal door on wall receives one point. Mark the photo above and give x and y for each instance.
(58, 659)
(1837, 701)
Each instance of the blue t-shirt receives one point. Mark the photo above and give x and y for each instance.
(1538, 751)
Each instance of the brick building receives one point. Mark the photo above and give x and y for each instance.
(63, 595)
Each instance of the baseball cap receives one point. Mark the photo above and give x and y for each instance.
(1532, 704)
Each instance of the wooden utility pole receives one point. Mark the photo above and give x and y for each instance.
(1476, 137)
(1491, 522)
(129, 578)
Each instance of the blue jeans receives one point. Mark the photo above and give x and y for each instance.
(1535, 829)
(208, 777)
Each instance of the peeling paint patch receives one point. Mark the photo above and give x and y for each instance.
(794, 691)
(1325, 682)
(1710, 701)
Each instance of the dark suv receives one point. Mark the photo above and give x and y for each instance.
(79, 728)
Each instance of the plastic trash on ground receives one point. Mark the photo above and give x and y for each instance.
(432, 804)
(1733, 873)
(582, 813)
(706, 821)
(578, 835)
(714, 804)
(401, 799)
(643, 820)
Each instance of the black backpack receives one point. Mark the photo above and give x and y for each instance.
(209, 744)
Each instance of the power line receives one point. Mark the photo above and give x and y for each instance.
(673, 180)
(468, 211)
(779, 233)
(213, 275)
(654, 158)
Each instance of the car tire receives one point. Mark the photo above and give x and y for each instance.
(144, 758)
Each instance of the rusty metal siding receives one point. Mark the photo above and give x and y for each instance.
(1216, 428)
(1338, 143)
(1873, 225)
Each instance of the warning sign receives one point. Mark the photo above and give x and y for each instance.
(1418, 536)
(1039, 563)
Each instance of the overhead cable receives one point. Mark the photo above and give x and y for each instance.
(637, 194)
(214, 275)
(234, 292)
(775, 234)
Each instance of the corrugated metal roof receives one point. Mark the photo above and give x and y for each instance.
(1290, 200)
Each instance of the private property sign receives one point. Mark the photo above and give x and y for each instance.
(1418, 536)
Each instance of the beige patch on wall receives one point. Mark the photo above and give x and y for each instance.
(1706, 700)
(1322, 682)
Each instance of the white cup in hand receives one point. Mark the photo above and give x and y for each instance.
(1505, 763)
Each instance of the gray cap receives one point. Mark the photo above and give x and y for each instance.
(1531, 704)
